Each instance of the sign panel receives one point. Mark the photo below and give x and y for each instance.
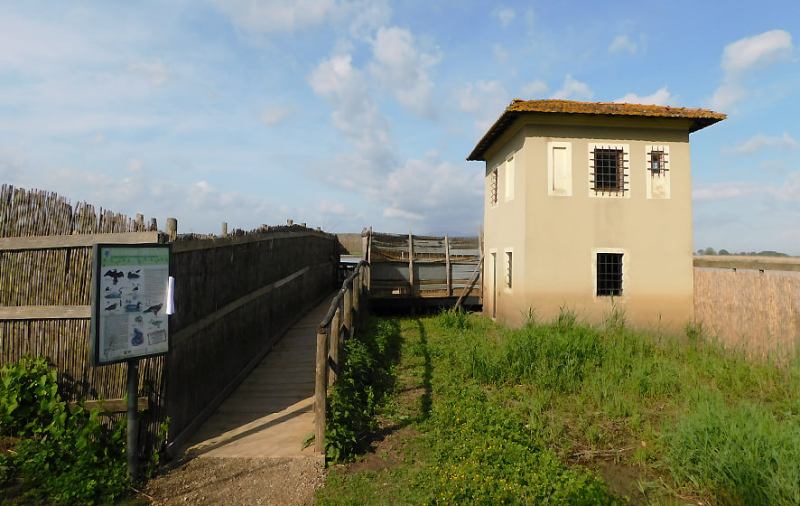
(130, 302)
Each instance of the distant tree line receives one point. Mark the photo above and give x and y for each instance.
(765, 253)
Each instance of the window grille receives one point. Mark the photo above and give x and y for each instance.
(509, 266)
(493, 187)
(609, 175)
(609, 274)
(658, 161)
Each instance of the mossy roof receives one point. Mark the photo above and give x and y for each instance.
(701, 118)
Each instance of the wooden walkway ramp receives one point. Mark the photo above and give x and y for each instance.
(271, 413)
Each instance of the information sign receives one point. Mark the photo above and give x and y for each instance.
(130, 302)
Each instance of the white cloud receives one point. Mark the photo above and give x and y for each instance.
(758, 50)
(433, 192)
(271, 16)
(745, 55)
(623, 43)
(661, 96)
(484, 100)
(534, 89)
(505, 15)
(356, 115)
(784, 192)
(760, 142)
(401, 67)
(500, 53)
(274, 114)
(155, 72)
(720, 191)
(135, 165)
(572, 89)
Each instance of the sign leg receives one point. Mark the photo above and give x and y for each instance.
(133, 419)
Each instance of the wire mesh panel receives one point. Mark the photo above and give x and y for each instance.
(609, 274)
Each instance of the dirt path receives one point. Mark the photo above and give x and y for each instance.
(235, 481)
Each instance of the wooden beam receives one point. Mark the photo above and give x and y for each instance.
(411, 262)
(185, 245)
(44, 312)
(475, 275)
(75, 240)
(447, 266)
(748, 262)
(320, 390)
(111, 406)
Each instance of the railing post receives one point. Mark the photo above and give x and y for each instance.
(334, 342)
(348, 311)
(320, 389)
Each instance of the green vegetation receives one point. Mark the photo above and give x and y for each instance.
(366, 377)
(567, 413)
(54, 454)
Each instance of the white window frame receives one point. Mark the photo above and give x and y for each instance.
(551, 175)
(665, 172)
(509, 177)
(508, 281)
(625, 275)
(626, 171)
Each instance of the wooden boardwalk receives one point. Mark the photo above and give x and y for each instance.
(271, 413)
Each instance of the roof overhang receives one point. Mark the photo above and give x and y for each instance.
(697, 118)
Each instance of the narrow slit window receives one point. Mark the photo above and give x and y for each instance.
(609, 274)
(657, 162)
(509, 268)
(493, 187)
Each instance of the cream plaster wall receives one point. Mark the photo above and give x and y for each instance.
(554, 238)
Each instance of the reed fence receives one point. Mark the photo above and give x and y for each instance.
(340, 323)
(235, 295)
(750, 303)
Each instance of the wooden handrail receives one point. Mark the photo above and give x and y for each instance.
(337, 325)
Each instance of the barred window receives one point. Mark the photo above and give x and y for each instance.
(509, 267)
(609, 173)
(658, 171)
(493, 187)
(609, 274)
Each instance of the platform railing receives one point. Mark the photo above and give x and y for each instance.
(339, 324)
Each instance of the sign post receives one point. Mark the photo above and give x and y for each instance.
(131, 304)
(133, 419)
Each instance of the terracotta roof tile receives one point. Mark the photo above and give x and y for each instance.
(702, 117)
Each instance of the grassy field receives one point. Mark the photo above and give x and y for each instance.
(560, 412)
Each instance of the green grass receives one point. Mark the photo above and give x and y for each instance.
(567, 413)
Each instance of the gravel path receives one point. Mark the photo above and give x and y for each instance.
(238, 481)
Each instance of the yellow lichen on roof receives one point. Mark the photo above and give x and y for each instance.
(611, 108)
(700, 118)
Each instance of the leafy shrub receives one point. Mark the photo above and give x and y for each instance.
(365, 378)
(741, 453)
(29, 399)
(65, 455)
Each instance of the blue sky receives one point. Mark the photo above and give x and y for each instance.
(345, 113)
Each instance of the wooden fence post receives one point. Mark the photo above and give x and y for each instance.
(224, 230)
(447, 267)
(320, 389)
(153, 225)
(172, 228)
(411, 262)
(348, 312)
(335, 343)
(139, 222)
